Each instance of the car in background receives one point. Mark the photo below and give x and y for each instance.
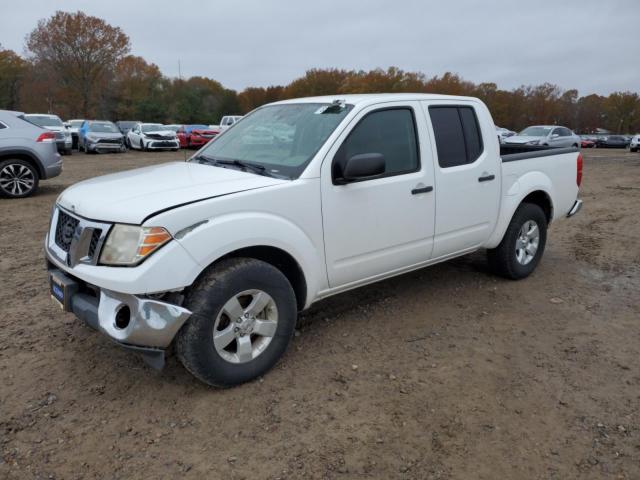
(613, 141)
(173, 127)
(195, 135)
(28, 154)
(64, 141)
(74, 127)
(587, 142)
(545, 135)
(101, 136)
(125, 125)
(634, 145)
(504, 133)
(152, 136)
(228, 120)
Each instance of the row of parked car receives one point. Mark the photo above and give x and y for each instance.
(558, 136)
(93, 136)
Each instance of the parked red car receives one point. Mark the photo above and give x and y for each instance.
(587, 143)
(195, 135)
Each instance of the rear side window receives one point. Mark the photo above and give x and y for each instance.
(390, 132)
(457, 133)
(2, 125)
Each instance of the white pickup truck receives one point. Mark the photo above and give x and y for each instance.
(301, 200)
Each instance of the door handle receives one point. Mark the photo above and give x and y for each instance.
(486, 178)
(416, 191)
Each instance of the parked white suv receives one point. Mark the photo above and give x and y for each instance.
(218, 254)
(634, 146)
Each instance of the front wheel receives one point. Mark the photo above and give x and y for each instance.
(244, 314)
(522, 245)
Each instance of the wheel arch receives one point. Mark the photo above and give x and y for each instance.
(281, 260)
(26, 156)
(537, 195)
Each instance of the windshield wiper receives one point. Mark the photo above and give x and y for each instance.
(259, 169)
(246, 165)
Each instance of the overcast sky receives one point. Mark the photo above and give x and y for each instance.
(591, 45)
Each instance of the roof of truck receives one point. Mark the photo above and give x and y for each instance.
(355, 99)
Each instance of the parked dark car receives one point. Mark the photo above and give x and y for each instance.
(587, 142)
(612, 141)
(28, 154)
(100, 136)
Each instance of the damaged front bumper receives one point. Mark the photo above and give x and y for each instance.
(144, 325)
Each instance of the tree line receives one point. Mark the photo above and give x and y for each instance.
(79, 66)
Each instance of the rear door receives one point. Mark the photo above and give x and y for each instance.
(467, 176)
(381, 225)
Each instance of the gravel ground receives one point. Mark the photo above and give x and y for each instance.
(445, 373)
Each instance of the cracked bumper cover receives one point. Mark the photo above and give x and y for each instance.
(151, 326)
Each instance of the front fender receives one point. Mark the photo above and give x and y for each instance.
(516, 190)
(225, 234)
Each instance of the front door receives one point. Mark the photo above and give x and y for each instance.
(376, 226)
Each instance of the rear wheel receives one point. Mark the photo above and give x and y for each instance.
(18, 178)
(522, 245)
(244, 314)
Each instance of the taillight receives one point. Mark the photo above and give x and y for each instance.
(579, 170)
(46, 137)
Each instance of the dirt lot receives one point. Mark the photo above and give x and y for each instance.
(445, 373)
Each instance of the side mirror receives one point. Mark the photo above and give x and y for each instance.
(363, 166)
(555, 135)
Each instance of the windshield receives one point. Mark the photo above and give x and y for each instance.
(103, 127)
(535, 131)
(45, 121)
(281, 138)
(152, 127)
(173, 128)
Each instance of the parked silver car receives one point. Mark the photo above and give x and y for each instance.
(545, 135)
(28, 154)
(64, 140)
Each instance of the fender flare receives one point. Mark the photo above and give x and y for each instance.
(223, 235)
(523, 187)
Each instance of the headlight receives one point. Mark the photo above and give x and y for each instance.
(130, 244)
(91, 138)
(533, 142)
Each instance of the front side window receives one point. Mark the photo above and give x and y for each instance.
(280, 139)
(390, 132)
(457, 134)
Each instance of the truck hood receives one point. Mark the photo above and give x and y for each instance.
(133, 196)
(522, 139)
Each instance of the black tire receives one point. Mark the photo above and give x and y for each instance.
(206, 299)
(13, 168)
(503, 260)
(142, 148)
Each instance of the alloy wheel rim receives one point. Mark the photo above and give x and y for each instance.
(245, 326)
(527, 242)
(16, 179)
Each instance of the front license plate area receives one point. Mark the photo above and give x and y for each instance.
(62, 289)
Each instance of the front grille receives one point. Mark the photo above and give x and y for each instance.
(164, 144)
(65, 230)
(155, 136)
(95, 238)
(110, 140)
